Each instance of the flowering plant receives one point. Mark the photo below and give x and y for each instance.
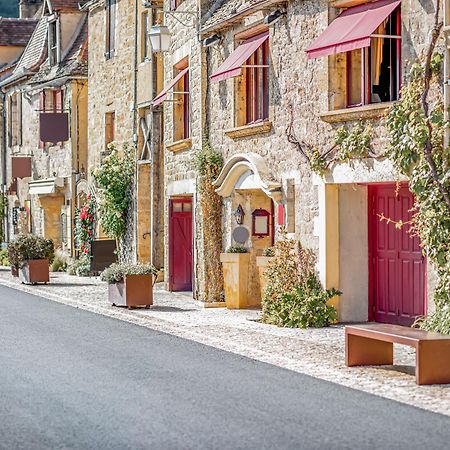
(114, 178)
(85, 225)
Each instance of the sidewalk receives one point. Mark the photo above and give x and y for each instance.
(315, 352)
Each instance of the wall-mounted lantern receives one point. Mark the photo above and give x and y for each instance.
(261, 223)
(160, 36)
(239, 215)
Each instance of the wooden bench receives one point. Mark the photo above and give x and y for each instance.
(372, 345)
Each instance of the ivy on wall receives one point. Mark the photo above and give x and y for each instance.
(209, 164)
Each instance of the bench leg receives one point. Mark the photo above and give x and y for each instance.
(362, 351)
(433, 362)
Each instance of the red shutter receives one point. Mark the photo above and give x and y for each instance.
(41, 110)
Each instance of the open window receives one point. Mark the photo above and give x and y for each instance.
(369, 38)
(250, 63)
(53, 43)
(181, 108)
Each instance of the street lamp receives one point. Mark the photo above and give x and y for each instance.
(160, 38)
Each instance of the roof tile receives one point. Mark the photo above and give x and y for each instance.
(16, 32)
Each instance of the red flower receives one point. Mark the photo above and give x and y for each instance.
(83, 215)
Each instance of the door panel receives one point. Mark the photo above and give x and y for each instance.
(397, 266)
(180, 245)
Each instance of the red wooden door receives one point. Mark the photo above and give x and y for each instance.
(397, 266)
(180, 245)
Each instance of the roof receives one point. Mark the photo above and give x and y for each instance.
(36, 50)
(232, 10)
(73, 63)
(58, 5)
(16, 32)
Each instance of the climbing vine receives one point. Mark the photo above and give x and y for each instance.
(209, 164)
(85, 225)
(349, 144)
(114, 178)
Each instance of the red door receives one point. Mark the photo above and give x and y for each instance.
(397, 266)
(180, 245)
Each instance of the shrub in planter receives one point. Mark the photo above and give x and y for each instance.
(31, 255)
(237, 249)
(293, 294)
(130, 284)
(80, 267)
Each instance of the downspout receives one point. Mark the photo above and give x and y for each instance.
(4, 149)
(135, 136)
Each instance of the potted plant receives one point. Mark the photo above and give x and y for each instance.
(30, 256)
(130, 285)
(262, 262)
(235, 264)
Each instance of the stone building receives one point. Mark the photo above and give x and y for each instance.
(270, 64)
(46, 112)
(122, 80)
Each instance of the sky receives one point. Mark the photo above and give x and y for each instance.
(9, 8)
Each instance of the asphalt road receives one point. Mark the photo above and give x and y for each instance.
(70, 379)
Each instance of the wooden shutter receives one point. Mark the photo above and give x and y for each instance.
(41, 110)
(58, 103)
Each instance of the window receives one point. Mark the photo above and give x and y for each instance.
(145, 27)
(181, 110)
(174, 4)
(110, 37)
(15, 119)
(110, 124)
(50, 101)
(53, 43)
(373, 73)
(255, 87)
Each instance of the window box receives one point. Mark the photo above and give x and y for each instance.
(178, 146)
(365, 112)
(252, 129)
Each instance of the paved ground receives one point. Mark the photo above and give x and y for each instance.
(72, 379)
(315, 352)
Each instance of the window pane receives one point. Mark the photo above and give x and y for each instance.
(354, 71)
(187, 207)
(177, 207)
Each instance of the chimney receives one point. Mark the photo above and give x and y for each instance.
(29, 8)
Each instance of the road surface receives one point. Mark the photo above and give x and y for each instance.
(71, 379)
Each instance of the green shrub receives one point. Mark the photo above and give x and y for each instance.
(305, 306)
(27, 247)
(293, 295)
(4, 260)
(60, 262)
(80, 267)
(269, 252)
(115, 273)
(237, 249)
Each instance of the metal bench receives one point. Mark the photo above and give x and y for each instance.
(372, 345)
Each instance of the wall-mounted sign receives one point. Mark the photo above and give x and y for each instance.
(261, 223)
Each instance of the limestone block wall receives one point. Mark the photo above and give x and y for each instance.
(110, 80)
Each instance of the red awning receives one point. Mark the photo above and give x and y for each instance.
(352, 28)
(232, 66)
(163, 94)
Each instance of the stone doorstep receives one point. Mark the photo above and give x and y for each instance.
(315, 352)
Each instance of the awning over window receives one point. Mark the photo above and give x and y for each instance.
(352, 28)
(232, 66)
(54, 127)
(163, 94)
(45, 186)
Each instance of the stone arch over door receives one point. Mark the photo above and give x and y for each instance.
(245, 180)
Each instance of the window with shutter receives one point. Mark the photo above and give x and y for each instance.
(110, 36)
(181, 111)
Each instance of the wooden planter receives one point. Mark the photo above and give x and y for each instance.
(135, 290)
(35, 271)
(235, 276)
(262, 262)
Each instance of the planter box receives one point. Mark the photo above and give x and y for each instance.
(135, 290)
(35, 271)
(262, 262)
(235, 276)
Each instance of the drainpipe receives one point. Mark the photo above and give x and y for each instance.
(4, 150)
(135, 136)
